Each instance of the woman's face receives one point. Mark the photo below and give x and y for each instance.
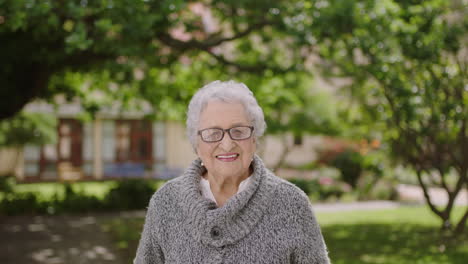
(225, 158)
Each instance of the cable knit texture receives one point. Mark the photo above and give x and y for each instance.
(271, 221)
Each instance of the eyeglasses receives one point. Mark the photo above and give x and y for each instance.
(217, 134)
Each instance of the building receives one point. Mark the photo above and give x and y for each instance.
(124, 144)
(113, 145)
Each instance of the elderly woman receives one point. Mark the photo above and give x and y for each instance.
(228, 207)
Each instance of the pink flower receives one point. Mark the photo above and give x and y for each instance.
(325, 181)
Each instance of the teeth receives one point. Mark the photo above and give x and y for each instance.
(227, 157)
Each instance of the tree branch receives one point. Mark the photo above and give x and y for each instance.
(427, 196)
(284, 153)
(85, 57)
(167, 39)
(443, 182)
(461, 224)
(258, 68)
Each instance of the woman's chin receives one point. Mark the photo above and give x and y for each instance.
(230, 172)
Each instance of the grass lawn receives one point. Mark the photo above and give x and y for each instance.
(400, 236)
(407, 235)
(48, 189)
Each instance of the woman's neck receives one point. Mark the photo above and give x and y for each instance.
(224, 188)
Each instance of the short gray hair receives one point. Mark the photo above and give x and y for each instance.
(230, 92)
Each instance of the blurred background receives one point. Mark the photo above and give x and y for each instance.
(366, 104)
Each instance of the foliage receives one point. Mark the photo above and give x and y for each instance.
(406, 64)
(404, 61)
(28, 128)
(130, 195)
(307, 186)
(72, 198)
(404, 235)
(350, 164)
(371, 187)
(139, 46)
(75, 202)
(122, 231)
(7, 184)
(322, 189)
(21, 203)
(295, 106)
(361, 165)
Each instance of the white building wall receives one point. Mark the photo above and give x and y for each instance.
(10, 161)
(271, 149)
(179, 153)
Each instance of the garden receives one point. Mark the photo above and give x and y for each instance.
(381, 83)
(409, 233)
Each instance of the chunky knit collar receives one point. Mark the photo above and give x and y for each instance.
(225, 225)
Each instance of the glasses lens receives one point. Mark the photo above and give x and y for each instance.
(212, 134)
(240, 132)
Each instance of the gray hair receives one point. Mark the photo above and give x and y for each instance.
(230, 92)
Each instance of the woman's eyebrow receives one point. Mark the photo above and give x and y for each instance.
(233, 125)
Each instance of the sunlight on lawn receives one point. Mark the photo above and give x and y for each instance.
(407, 235)
(404, 235)
(49, 189)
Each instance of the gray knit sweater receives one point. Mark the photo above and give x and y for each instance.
(271, 221)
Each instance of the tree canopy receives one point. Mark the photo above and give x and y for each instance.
(405, 62)
(408, 64)
(43, 42)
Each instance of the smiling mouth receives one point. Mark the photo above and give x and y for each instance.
(231, 157)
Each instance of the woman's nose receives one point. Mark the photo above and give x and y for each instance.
(227, 143)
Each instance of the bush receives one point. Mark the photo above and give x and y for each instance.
(308, 186)
(7, 184)
(351, 165)
(130, 194)
(21, 203)
(322, 189)
(76, 202)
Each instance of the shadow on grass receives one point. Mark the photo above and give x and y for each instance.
(367, 243)
(392, 243)
(126, 234)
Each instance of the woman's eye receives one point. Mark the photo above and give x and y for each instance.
(214, 134)
(236, 132)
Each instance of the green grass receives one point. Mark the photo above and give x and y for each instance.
(126, 233)
(407, 235)
(49, 189)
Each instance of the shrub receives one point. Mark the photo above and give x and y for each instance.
(7, 184)
(130, 194)
(322, 189)
(308, 186)
(351, 165)
(75, 202)
(21, 203)
(329, 188)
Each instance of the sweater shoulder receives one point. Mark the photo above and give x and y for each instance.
(289, 196)
(284, 187)
(169, 191)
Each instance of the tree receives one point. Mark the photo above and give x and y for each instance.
(293, 105)
(46, 42)
(408, 66)
(25, 129)
(160, 52)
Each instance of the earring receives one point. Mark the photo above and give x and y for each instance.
(202, 163)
